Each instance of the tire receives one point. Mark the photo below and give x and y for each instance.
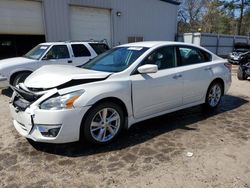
(241, 74)
(95, 131)
(213, 96)
(20, 78)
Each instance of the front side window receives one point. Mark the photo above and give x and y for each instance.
(37, 52)
(192, 55)
(80, 50)
(115, 60)
(58, 52)
(163, 57)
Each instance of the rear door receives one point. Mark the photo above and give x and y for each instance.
(196, 67)
(160, 91)
(81, 54)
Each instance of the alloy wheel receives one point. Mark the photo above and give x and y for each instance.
(105, 125)
(214, 95)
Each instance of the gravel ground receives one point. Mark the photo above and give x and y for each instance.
(151, 154)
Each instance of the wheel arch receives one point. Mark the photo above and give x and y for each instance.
(13, 75)
(114, 100)
(221, 81)
(108, 99)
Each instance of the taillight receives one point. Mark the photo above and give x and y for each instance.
(228, 66)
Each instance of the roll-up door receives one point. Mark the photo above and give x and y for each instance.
(90, 23)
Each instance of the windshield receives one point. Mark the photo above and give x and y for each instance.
(115, 60)
(37, 52)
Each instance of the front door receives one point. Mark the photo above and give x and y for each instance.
(160, 91)
(57, 55)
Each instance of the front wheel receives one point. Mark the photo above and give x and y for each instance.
(103, 123)
(19, 78)
(213, 96)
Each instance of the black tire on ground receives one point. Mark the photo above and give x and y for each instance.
(241, 74)
(207, 105)
(19, 78)
(86, 135)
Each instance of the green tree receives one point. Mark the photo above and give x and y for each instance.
(246, 23)
(215, 16)
(236, 7)
(214, 19)
(190, 15)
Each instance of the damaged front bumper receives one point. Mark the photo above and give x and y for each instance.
(50, 126)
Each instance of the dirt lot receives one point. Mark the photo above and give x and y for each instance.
(151, 154)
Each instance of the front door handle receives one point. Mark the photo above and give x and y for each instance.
(70, 61)
(177, 76)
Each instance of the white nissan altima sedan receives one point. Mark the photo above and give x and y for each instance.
(128, 84)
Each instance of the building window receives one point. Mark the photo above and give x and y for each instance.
(135, 39)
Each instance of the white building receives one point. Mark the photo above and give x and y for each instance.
(24, 23)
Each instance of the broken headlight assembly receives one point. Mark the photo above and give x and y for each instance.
(62, 101)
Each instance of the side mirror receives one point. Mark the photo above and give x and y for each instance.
(146, 69)
(47, 57)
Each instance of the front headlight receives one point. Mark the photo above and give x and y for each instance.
(61, 102)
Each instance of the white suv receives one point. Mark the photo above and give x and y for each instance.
(16, 70)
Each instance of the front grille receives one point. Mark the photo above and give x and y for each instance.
(23, 98)
(31, 97)
(21, 104)
(36, 89)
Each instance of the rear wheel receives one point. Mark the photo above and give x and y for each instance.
(103, 123)
(19, 78)
(213, 96)
(241, 74)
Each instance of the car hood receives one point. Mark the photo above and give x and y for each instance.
(14, 61)
(51, 76)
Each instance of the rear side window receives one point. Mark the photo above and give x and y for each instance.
(80, 50)
(99, 48)
(192, 55)
(207, 56)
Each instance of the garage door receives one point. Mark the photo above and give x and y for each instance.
(90, 23)
(21, 17)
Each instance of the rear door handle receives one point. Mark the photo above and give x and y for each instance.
(208, 68)
(70, 61)
(177, 76)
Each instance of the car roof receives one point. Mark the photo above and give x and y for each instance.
(71, 42)
(150, 44)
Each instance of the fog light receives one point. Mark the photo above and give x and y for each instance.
(49, 131)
